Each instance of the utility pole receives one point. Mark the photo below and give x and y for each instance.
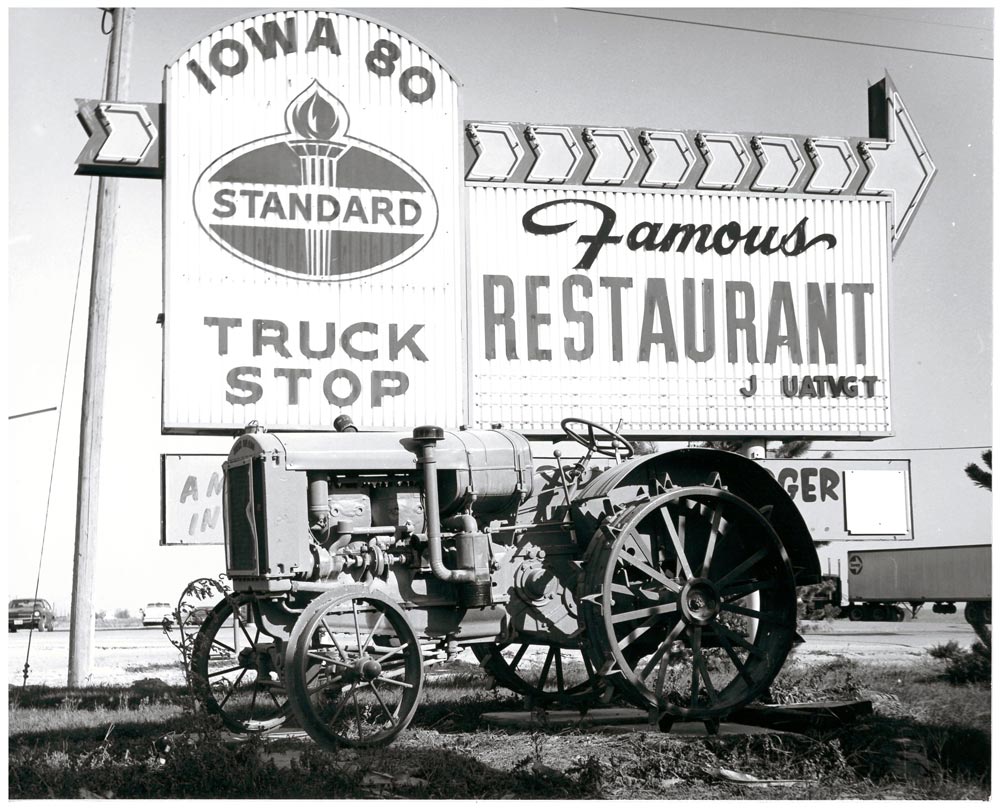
(81, 623)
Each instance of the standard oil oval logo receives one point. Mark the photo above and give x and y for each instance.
(313, 203)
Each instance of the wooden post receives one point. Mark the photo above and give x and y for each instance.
(81, 623)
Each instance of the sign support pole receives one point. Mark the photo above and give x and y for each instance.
(81, 639)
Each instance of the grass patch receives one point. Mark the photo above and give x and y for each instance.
(928, 739)
(925, 728)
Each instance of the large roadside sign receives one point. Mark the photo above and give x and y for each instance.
(684, 314)
(685, 283)
(313, 259)
(323, 258)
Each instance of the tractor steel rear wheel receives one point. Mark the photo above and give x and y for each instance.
(689, 603)
(544, 673)
(233, 668)
(354, 669)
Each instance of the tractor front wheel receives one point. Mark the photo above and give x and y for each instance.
(354, 669)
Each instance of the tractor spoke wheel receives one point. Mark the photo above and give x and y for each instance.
(233, 671)
(355, 669)
(694, 603)
(544, 673)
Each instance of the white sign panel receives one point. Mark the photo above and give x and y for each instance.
(313, 263)
(679, 313)
(876, 502)
(192, 499)
(844, 499)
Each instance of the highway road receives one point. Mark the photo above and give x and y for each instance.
(885, 642)
(122, 656)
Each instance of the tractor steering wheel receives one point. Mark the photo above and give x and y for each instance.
(615, 445)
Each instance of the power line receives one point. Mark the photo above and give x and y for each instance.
(778, 33)
(856, 13)
(29, 413)
(62, 397)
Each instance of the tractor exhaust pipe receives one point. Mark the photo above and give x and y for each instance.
(427, 436)
(472, 577)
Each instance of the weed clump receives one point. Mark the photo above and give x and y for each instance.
(964, 666)
(837, 681)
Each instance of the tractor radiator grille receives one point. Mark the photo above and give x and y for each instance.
(246, 531)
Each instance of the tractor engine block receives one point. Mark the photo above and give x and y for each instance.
(407, 512)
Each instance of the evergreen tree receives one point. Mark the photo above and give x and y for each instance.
(792, 449)
(980, 477)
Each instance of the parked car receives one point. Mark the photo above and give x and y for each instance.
(30, 613)
(197, 616)
(194, 619)
(155, 613)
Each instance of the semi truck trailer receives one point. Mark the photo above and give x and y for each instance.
(881, 581)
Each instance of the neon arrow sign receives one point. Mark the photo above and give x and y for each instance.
(124, 139)
(891, 162)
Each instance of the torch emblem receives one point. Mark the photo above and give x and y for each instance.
(315, 203)
(314, 115)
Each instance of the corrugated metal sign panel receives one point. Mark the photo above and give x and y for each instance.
(312, 211)
(760, 315)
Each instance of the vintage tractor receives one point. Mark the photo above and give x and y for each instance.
(359, 558)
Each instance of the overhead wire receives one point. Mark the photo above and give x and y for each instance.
(30, 413)
(60, 411)
(777, 33)
(856, 13)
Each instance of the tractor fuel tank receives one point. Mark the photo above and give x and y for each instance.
(490, 470)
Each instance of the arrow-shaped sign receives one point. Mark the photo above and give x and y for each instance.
(726, 158)
(897, 163)
(614, 154)
(892, 162)
(124, 139)
(670, 158)
(834, 165)
(780, 160)
(556, 154)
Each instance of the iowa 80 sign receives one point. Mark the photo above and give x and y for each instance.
(679, 283)
(313, 254)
